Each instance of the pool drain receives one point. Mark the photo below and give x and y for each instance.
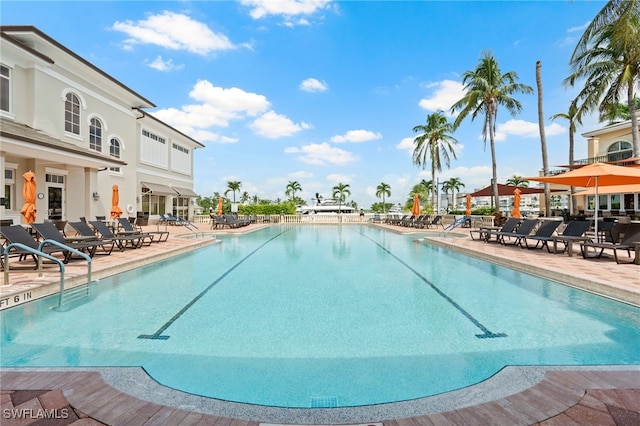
(324, 401)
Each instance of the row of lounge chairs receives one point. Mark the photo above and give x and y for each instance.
(91, 238)
(525, 232)
(421, 222)
(228, 220)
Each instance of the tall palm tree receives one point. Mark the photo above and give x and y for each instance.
(454, 185)
(340, 191)
(607, 57)
(292, 187)
(233, 186)
(245, 197)
(574, 118)
(434, 143)
(486, 88)
(383, 190)
(543, 139)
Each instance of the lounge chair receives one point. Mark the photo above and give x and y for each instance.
(627, 243)
(182, 222)
(436, 221)
(17, 234)
(543, 235)
(147, 237)
(122, 241)
(484, 233)
(522, 230)
(48, 231)
(574, 232)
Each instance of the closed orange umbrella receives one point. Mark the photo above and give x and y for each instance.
(28, 210)
(415, 209)
(220, 206)
(468, 211)
(115, 199)
(516, 203)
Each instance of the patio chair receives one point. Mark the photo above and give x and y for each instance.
(627, 243)
(48, 231)
(484, 233)
(17, 234)
(574, 232)
(436, 221)
(522, 230)
(543, 234)
(147, 237)
(122, 241)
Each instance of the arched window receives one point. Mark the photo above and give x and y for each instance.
(72, 114)
(95, 134)
(620, 150)
(114, 151)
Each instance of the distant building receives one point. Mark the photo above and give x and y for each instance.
(81, 131)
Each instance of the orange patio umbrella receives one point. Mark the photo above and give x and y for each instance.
(415, 209)
(28, 210)
(115, 199)
(594, 176)
(516, 203)
(220, 206)
(468, 211)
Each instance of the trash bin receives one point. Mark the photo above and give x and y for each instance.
(142, 218)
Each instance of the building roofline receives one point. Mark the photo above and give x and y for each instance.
(147, 114)
(610, 128)
(31, 29)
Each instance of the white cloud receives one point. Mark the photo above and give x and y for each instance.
(173, 31)
(357, 136)
(443, 95)
(230, 100)
(161, 65)
(285, 8)
(272, 125)
(406, 144)
(207, 136)
(300, 175)
(339, 178)
(525, 129)
(322, 154)
(579, 28)
(313, 85)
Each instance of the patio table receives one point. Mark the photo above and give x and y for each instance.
(568, 241)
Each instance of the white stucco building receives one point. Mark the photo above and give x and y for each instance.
(81, 131)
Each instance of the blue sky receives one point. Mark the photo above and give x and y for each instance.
(322, 92)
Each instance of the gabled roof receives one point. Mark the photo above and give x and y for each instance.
(21, 35)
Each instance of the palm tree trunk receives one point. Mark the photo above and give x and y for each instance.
(572, 198)
(494, 163)
(543, 140)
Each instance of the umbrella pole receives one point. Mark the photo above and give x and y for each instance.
(595, 213)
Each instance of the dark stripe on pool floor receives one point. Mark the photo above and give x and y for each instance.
(486, 333)
(158, 334)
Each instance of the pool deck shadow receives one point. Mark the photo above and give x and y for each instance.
(585, 397)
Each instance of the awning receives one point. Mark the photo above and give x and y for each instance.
(506, 190)
(614, 189)
(158, 189)
(185, 192)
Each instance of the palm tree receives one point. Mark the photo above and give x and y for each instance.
(292, 187)
(245, 197)
(518, 181)
(607, 57)
(486, 89)
(233, 186)
(430, 189)
(433, 143)
(383, 190)
(454, 185)
(340, 191)
(618, 112)
(421, 190)
(574, 117)
(543, 138)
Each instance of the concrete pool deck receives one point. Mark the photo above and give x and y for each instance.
(530, 395)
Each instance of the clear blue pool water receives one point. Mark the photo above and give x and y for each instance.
(323, 316)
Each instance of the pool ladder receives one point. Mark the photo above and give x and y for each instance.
(66, 296)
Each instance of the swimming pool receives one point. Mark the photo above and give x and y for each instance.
(323, 316)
